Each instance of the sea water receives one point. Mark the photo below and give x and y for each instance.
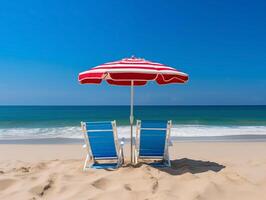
(35, 122)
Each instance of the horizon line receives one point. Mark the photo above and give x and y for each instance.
(135, 105)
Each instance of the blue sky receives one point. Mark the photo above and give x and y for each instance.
(45, 44)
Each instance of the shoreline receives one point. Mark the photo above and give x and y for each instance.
(59, 140)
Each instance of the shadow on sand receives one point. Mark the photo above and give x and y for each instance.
(184, 165)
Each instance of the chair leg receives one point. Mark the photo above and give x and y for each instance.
(135, 157)
(169, 162)
(85, 163)
(168, 159)
(120, 160)
(122, 156)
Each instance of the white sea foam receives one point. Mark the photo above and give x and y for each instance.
(202, 130)
(124, 131)
(36, 133)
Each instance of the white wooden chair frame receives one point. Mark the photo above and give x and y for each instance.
(165, 157)
(89, 156)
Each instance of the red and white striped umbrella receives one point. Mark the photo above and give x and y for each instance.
(124, 71)
(132, 72)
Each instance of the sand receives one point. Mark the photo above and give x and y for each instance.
(200, 170)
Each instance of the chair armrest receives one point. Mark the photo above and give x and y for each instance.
(122, 142)
(171, 143)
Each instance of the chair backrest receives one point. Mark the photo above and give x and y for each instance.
(101, 138)
(153, 137)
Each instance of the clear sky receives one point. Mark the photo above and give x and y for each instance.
(45, 44)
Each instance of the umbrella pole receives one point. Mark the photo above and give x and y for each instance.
(131, 119)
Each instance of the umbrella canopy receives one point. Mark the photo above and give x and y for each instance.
(132, 72)
(140, 71)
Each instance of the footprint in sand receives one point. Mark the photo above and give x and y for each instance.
(128, 187)
(6, 183)
(24, 169)
(41, 190)
(155, 186)
(101, 183)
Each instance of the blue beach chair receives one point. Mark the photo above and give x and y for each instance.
(152, 142)
(101, 142)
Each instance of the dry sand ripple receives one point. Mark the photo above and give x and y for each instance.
(202, 174)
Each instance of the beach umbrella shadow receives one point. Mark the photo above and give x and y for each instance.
(185, 165)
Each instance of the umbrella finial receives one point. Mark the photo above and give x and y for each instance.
(133, 57)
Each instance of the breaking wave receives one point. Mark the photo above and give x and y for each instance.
(124, 131)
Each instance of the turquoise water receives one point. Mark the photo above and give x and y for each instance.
(64, 121)
(60, 116)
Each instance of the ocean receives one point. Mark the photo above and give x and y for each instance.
(35, 122)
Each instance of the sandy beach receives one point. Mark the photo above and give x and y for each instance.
(179, 80)
(200, 170)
